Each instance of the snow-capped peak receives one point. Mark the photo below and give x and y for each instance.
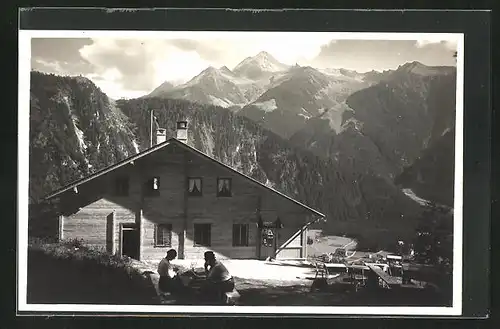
(264, 55)
(263, 61)
(225, 70)
(209, 72)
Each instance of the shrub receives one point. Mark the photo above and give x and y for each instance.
(78, 250)
(100, 277)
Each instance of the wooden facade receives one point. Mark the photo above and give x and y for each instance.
(147, 205)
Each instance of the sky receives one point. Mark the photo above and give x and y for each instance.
(133, 67)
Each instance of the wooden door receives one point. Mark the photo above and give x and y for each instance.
(130, 241)
(267, 242)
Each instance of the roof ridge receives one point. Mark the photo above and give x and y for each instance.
(158, 147)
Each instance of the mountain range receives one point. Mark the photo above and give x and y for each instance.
(346, 143)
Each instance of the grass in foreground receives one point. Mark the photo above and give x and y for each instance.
(70, 272)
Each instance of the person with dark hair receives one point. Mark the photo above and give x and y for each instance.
(218, 279)
(169, 278)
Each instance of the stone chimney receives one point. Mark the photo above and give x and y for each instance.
(161, 135)
(182, 133)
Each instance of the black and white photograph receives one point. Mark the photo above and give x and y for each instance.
(247, 172)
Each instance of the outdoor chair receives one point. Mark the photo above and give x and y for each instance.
(320, 281)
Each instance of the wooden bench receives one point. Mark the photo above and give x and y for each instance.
(232, 297)
(228, 298)
(390, 281)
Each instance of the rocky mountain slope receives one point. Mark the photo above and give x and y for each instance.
(261, 66)
(74, 130)
(212, 86)
(301, 93)
(164, 88)
(223, 87)
(432, 174)
(385, 127)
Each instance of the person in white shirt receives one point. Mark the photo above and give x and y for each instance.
(218, 278)
(169, 278)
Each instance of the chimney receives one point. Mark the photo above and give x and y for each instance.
(182, 133)
(161, 135)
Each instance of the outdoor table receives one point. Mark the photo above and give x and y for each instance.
(190, 280)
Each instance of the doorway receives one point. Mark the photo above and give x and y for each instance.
(130, 240)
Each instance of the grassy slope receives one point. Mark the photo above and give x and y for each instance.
(71, 273)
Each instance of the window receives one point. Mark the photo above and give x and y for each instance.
(224, 187)
(121, 186)
(195, 186)
(152, 187)
(202, 234)
(163, 235)
(240, 235)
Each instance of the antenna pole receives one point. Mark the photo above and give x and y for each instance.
(151, 128)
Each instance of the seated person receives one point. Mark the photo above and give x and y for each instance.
(169, 278)
(218, 280)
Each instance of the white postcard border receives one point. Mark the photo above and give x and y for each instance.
(25, 37)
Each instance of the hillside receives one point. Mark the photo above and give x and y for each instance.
(211, 86)
(74, 130)
(301, 93)
(71, 273)
(432, 175)
(385, 127)
(223, 87)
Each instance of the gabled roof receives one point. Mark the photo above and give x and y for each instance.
(157, 147)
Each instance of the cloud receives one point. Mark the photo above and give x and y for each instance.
(449, 44)
(145, 64)
(125, 66)
(286, 47)
(60, 56)
(367, 55)
(131, 58)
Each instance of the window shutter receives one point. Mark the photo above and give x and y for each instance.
(244, 235)
(235, 234)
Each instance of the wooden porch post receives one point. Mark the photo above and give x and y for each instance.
(61, 228)
(303, 250)
(182, 236)
(139, 219)
(110, 233)
(258, 239)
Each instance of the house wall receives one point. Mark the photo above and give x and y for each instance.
(88, 212)
(167, 208)
(221, 212)
(293, 218)
(90, 223)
